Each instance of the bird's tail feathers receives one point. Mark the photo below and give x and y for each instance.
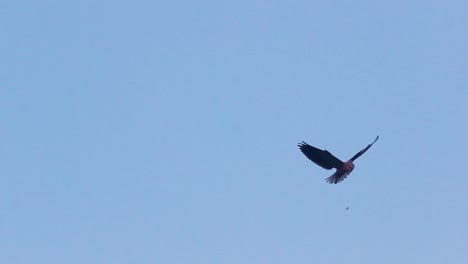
(337, 177)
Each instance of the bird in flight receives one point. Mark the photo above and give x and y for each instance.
(326, 160)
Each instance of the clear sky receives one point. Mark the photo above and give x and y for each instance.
(166, 131)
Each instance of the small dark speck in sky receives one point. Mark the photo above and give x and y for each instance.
(347, 207)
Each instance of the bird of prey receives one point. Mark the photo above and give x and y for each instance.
(326, 160)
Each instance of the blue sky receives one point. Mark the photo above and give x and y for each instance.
(166, 131)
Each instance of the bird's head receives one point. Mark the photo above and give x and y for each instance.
(349, 166)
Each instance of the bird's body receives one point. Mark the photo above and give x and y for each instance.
(326, 160)
(341, 173)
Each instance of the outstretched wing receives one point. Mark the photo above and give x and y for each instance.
(320, 157)
(364, 150)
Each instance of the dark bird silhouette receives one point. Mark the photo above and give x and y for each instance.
(326, 160)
